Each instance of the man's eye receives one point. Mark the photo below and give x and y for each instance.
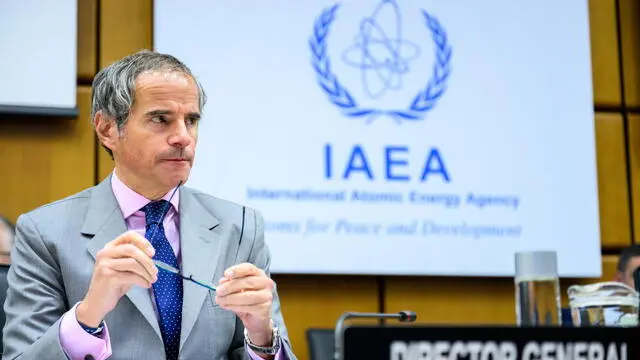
(159, 119)
(193, 120)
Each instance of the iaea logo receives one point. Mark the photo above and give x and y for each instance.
(382, 58)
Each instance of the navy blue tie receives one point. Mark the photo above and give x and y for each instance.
(168, 288)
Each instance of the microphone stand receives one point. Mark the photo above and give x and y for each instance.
(402, 316)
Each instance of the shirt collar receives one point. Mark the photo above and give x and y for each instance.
(130, 201)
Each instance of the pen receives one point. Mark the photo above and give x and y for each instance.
(166, 267)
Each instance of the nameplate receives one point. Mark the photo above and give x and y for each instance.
(490, 343)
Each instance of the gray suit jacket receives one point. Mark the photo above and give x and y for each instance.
(52, 264)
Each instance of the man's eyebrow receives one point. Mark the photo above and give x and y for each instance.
(158, 112)
(192, 115)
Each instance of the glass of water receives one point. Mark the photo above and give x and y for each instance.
(537, 289)
(610, 304)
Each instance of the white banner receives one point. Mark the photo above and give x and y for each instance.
(38, 57)
(398, 137)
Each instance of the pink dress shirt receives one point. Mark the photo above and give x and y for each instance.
(76, 342)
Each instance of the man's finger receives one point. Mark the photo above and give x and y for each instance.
(129, 278)
(247, 298)
(133, 266)
(132, 237)
(130, 251)
(261, 308)
(243, 270)
(244, 284)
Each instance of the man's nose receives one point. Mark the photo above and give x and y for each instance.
(180, 136)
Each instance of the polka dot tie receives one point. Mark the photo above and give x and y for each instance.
(168, 288)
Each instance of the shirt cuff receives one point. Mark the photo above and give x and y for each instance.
(279, 355)
(77, 343)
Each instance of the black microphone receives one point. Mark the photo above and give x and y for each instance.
(180, 183)
(402, 316)
(407, 316)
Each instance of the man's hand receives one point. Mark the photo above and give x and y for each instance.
(122, 263)
(248, 292)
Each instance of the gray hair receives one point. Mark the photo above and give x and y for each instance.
(114, 86)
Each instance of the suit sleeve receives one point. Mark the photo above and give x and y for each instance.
(35, 300)
(260, 257)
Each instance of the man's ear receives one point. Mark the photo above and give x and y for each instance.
(106, 129)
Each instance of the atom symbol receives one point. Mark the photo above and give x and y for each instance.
(383, 59)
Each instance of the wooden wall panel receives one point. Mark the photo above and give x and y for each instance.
(615, 220)
(630, 41)
(452, 300)
(125, 28)
(609, 265)
(634, 168)
(604, 50)
(45, 159)
(467, 300)
(87, 39)
(318, 302)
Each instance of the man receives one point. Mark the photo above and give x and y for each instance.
(6, 240)
(83, 283)
(628, 262)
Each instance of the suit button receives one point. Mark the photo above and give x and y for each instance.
(89, 357)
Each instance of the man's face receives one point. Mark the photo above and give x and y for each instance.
(156, 147)
(627, 277)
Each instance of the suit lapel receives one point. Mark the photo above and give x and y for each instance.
(105, 222)
(200, 248)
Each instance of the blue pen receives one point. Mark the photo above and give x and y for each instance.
(166, 267)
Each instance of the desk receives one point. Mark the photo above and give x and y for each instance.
(492, 342)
